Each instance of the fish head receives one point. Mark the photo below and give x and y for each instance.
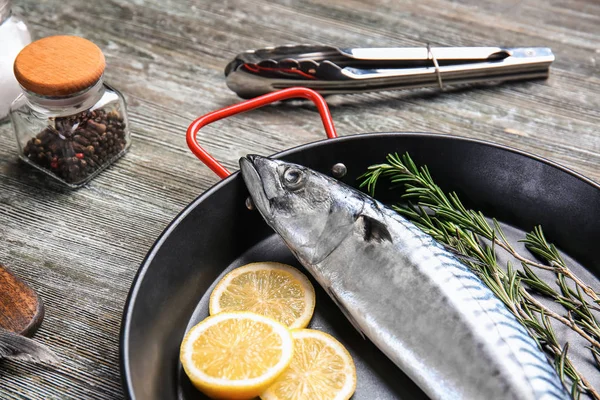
(312, 212)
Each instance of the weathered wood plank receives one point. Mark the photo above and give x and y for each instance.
(80, 250)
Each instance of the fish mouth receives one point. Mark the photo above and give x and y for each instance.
(250, 166)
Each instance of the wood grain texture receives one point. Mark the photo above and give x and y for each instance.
(81, 249)
(21, 309)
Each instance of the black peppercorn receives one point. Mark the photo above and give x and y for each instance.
(78, 145)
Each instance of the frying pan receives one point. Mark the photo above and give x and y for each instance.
(217, 233)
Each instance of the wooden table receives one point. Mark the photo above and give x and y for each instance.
(81, 249)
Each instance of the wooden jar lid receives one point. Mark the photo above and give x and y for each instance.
(59, 65)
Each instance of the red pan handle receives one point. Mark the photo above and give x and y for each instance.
(251, 104)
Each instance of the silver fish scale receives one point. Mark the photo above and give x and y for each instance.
(439, 322)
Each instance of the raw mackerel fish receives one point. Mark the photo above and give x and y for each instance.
(413, 299)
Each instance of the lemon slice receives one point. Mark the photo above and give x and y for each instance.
(236, 355)
(322, 369)
(275, 290)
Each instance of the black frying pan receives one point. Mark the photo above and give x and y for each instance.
(216, 233)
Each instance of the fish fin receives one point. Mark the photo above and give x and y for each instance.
(18, 347)
(375, 230)
(348, 316)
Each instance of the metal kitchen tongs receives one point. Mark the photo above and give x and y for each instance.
(330, 70)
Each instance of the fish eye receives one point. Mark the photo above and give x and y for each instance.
(293, 178)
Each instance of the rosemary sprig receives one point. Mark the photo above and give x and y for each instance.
(537, 244)
(446, 219)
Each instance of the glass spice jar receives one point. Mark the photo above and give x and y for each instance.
(68, 122)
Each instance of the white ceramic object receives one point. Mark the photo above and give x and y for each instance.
(14, 35)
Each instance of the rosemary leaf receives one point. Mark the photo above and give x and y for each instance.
(560, 367)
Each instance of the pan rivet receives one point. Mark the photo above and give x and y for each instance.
(339, 170)
(249, 203)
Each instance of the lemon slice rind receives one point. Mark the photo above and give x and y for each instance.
(213, 385)
(309, 291)
(349, 386)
